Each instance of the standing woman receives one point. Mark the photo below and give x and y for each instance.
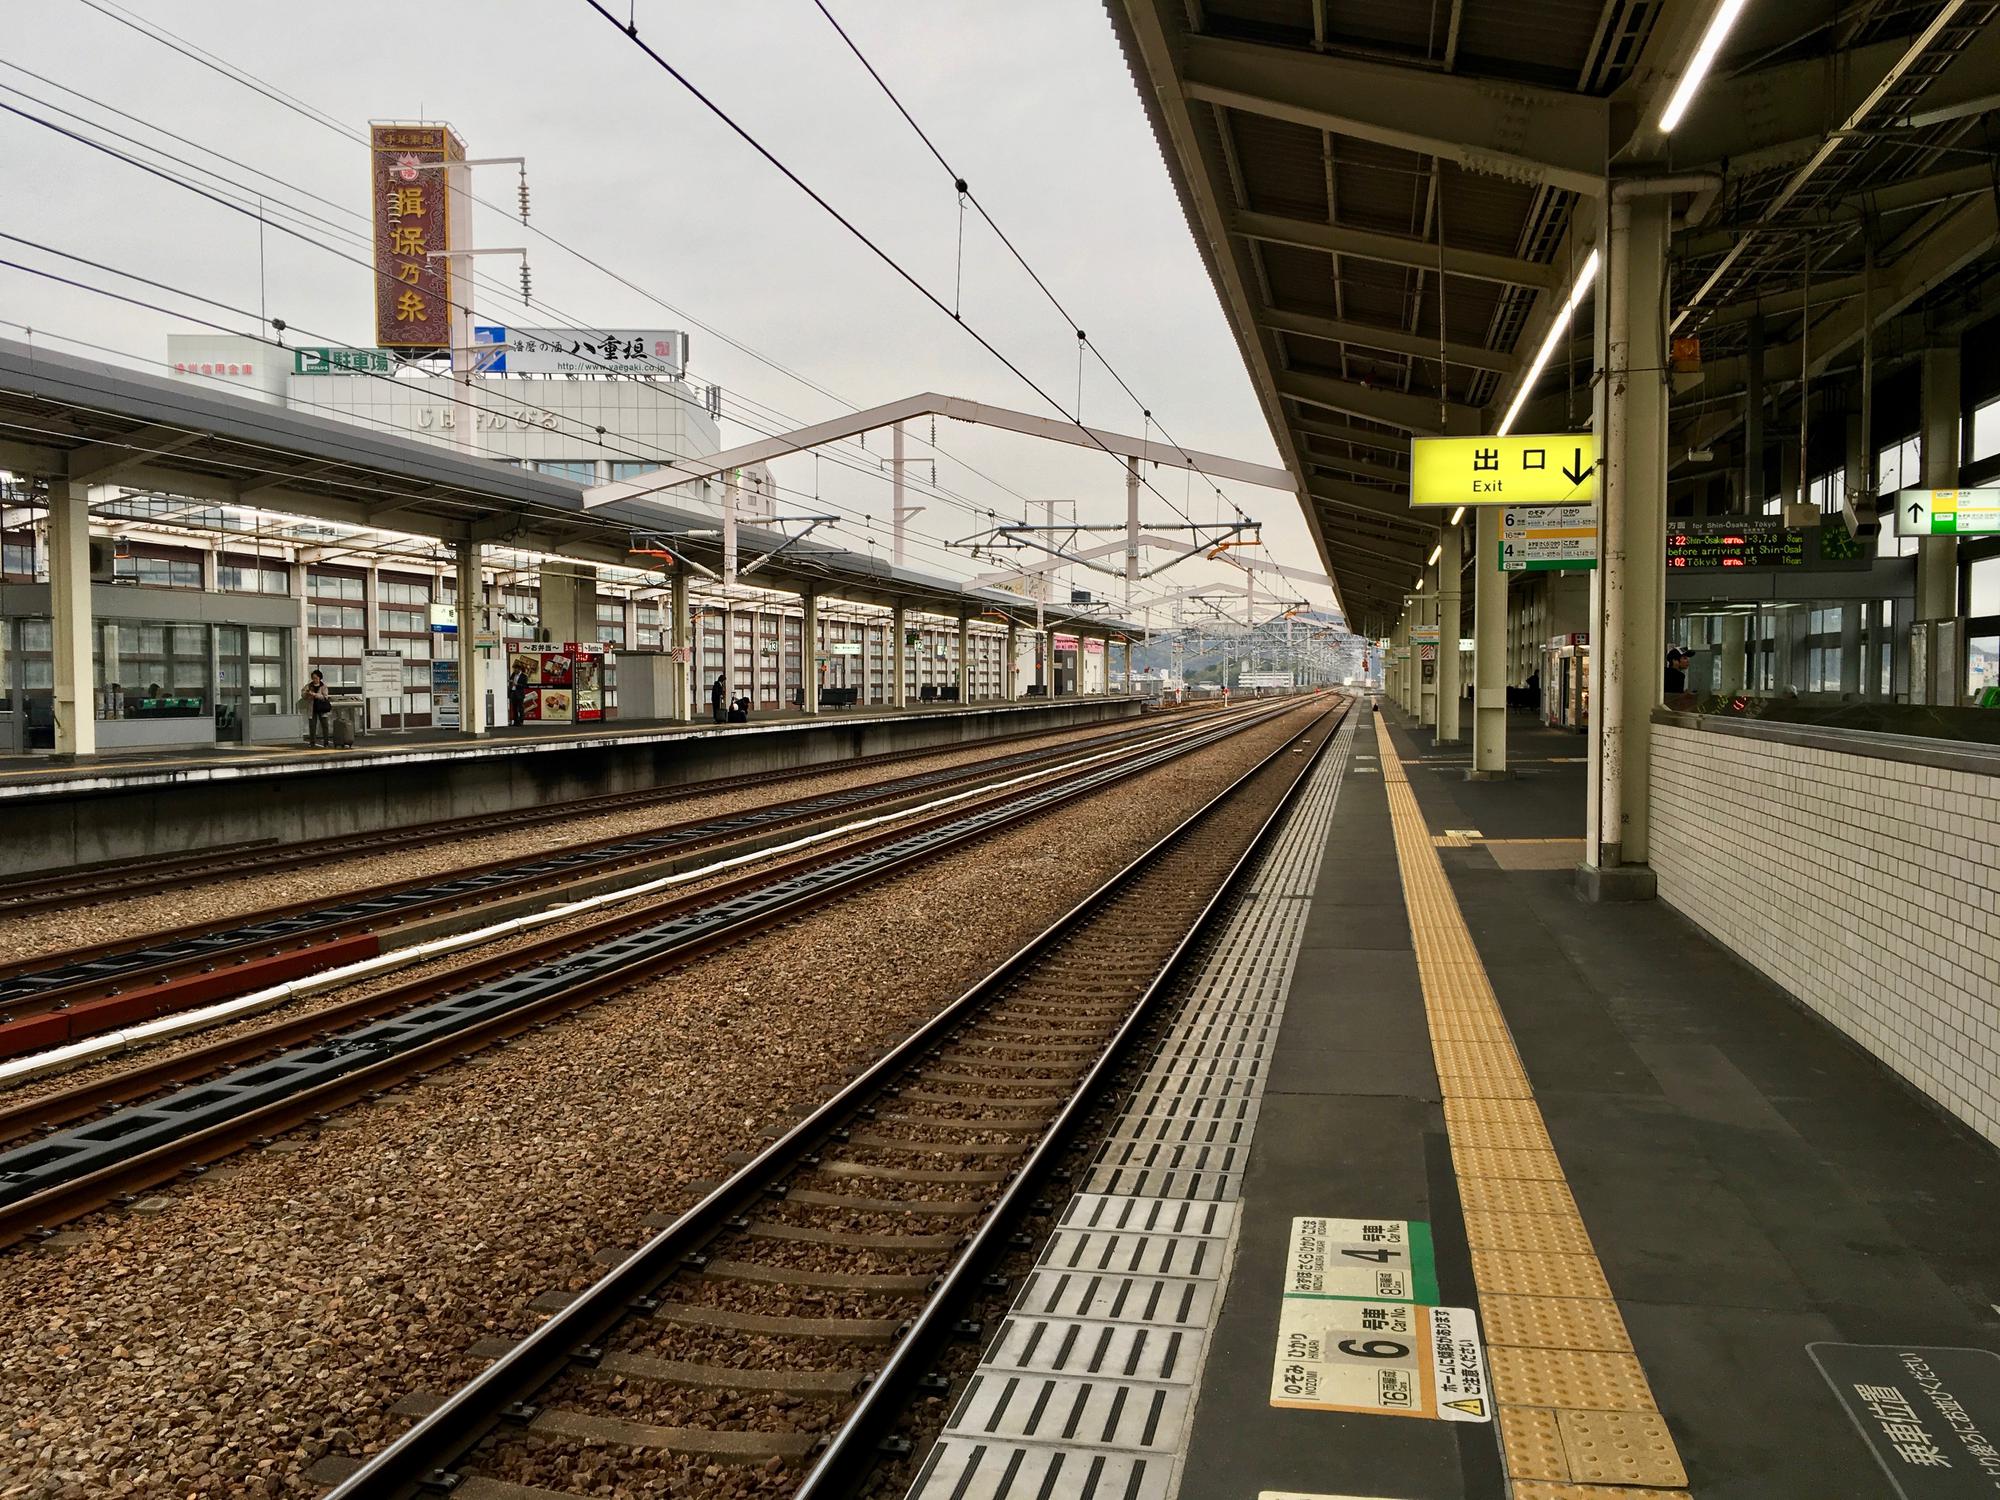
(716, 696)
(319, 704)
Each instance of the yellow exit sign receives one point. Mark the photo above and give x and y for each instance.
(1540, 469)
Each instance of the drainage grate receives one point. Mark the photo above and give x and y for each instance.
(1086, 1390)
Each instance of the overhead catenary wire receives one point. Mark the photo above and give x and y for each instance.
(966, 194)
(320, 117)
(939, 547)
(213, 61)
(859, 234)
(210, 60)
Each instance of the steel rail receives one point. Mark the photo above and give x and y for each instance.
(124, 967)
(421, 1459)
(184, 1131)
(854, 1447)
(130, 1085)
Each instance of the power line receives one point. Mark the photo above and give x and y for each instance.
(213, 61)
(320, 117)
(966, 192)
(853, 229)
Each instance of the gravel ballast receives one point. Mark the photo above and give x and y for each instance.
(243, 1326)
(33, 934)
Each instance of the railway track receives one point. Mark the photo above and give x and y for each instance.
(430, 1022)
(110, 880)
(785, 1320)
(116, 984)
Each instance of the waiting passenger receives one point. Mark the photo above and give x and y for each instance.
(716, 696)
(1676, 676)
(319, 707)
(517, 695)
(739, 711)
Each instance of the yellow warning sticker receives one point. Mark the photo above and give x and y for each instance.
(1388, 1358)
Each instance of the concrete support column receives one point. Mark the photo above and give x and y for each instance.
(964, 657)
(809, 651)
(1628, 641)
(899, 654)
(301, 634)
(1450, 612)
(69, 606)
(1489, 648)
(1009, 669)
(1850, 649)
(568, 608)
(680, 642)
(1937, 556)
(471, 611)
(1735, 635)
(1427, 680)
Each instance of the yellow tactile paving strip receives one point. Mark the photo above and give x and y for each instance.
(1577, 1418)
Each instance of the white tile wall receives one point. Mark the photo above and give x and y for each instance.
(1869, 889)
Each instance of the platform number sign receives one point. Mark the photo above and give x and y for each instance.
(1359, 1328)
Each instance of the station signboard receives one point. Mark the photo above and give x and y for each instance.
(1536, 469)
(382, 674)
(1424, 634)
(1548, 538)
(1947, 512)
(1265, 680)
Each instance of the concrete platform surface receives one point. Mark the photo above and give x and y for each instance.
(1712, 1249)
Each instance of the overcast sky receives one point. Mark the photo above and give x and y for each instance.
(1031, 101)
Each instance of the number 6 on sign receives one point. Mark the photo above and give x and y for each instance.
(1389, 1358)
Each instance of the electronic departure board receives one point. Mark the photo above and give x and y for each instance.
(1745, 542)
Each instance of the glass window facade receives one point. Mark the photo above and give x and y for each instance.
(159, 572)
(1822, 651)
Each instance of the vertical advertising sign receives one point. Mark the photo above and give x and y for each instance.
(412, 220)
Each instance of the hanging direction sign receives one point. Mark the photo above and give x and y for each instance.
(1545, 538)
(1541, 469)
(1947, 512)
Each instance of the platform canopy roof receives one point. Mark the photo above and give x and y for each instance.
(66, 418)
(1337, 158)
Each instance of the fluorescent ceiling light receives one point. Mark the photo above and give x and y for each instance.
(1458, 515)
(1557, 327)
(1431, 561)
(1703, 59)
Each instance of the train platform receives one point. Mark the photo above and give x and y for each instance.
(42, 772)
(1449, 1184)
(65, 813)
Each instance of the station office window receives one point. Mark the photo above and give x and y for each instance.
(151, 669)
(253, 578)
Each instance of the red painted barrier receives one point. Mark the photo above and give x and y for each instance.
(34, 1033)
